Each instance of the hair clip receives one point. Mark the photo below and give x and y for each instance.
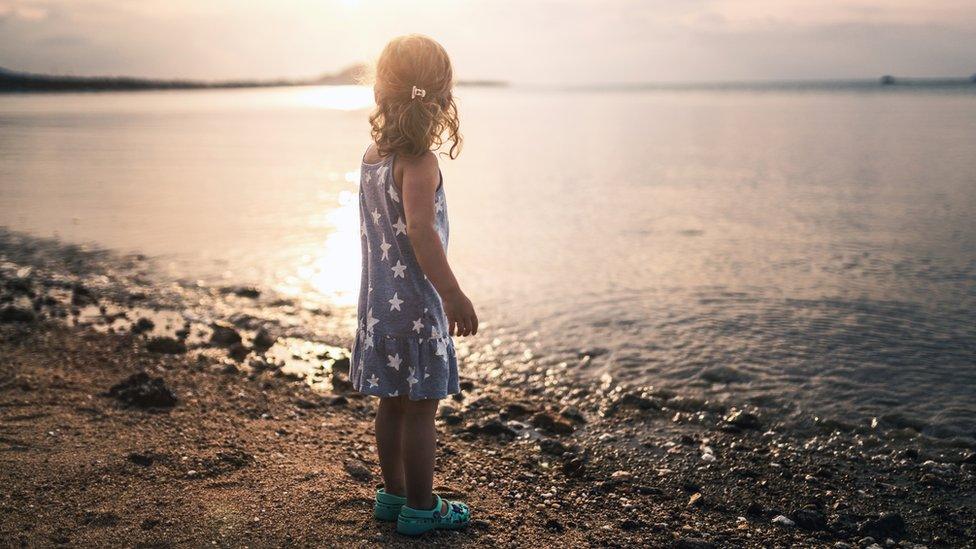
(418, 92)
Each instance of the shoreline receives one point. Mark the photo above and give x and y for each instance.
(541, 460)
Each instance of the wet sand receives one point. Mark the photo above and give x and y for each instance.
(227, 444)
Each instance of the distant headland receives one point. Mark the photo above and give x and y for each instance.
(13, 81)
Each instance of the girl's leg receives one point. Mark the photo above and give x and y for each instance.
(419, 447)
(389, 447)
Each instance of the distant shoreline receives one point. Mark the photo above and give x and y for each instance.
(23, 82)
(884, 82)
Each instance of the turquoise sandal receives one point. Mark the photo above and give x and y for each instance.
(413, 522)
(387, 506)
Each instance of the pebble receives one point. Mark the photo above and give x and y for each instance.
(573, 413)
(492, 427)
(622, 476)
(141, 391)
(743, 419)
(263, 340)
(358, 471)
(16, 314)
(546, 422)
(575, 468)
(783, 521)
(165, 345)
(143, 325)
(810, 520)
(888, 525)
(224, 335)
(551, 446)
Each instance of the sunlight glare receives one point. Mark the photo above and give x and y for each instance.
(343, 98)
(334, 270)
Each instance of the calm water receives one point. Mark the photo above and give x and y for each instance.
(811, 248)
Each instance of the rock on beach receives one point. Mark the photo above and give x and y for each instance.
(142, 391)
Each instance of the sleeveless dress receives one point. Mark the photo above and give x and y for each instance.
(402, 344)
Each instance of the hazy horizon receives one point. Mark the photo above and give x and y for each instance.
(575, 42)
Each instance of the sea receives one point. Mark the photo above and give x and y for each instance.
(811, 246)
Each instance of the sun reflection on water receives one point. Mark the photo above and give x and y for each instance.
(343, 98)
(331, 270)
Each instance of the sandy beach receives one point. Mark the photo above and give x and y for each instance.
(221, 443)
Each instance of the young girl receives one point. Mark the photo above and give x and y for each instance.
(410, 303)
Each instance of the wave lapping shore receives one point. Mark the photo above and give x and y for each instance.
(172, 414)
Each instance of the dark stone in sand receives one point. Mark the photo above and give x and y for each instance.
(551, 446)
(546, 422)
(810, 520)
(341, 365)
(224, 335)
(694, 543)
(573, 413)
(492, 427)
(20, 285)
(165, 345)
(243, 291)
(636, 400)
(263, 340)
(575, 467)
(306, 404)
(467, 385)
(16, 314)
(516, 409)
(338, 400)
(340, 383)
(143, 325)
(908, 453)
(141, 459)
(358, 471)
(743, 420)
(482, 403)
(451, 417)
(81, 296)
(888, 525)
(969, 458)
(141, 391)
(554, 525)
(629, 525)
(755, 510)
(238, 352)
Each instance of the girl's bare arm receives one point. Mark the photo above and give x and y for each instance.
(420, 179)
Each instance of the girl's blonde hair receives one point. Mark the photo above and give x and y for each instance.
(406, 121)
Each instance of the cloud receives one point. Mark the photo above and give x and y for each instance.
(24, 10)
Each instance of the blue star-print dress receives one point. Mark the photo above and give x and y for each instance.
(402, 344)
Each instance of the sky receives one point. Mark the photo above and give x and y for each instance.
(550, 42)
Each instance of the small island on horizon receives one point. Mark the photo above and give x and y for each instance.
(14, 81)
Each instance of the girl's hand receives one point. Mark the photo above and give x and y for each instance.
(461, 317)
